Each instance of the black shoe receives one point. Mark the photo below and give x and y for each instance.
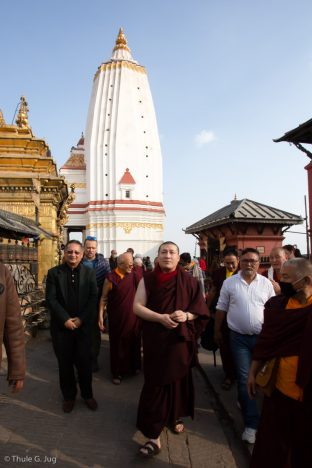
(68, 406)
(91, 404)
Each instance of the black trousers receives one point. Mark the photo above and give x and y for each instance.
(73, 350)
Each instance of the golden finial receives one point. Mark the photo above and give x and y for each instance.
(121, 41)
(2, 121)
(22, 116)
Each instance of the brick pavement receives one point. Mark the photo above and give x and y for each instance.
(35, 432)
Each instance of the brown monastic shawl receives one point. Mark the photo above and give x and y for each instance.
(287, 333)
(169, 353)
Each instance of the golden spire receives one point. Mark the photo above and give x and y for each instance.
(2, 121)
(22, 116)
(121, 41)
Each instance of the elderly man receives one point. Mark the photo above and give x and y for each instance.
(124, 330)
(95, 261)
(168, 300)
(277, 258)
(11, 330)
(71, 295)
(241, 302)
(284, 435)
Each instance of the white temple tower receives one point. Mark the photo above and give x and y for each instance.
(121, 201)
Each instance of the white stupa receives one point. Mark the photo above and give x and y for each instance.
(119, 179)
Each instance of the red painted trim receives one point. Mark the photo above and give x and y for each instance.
(124, 202)
(116, 202)
(74, 167)
(116, 209)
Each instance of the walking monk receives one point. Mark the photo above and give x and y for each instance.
(168, 300)
(124, 328)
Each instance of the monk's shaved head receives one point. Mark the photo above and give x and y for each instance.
(168, 243)
(278, 251)
(300, 266)
(126, 256)
(125, 262)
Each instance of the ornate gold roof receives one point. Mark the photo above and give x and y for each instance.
(20, 150)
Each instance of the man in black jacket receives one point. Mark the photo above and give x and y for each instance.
(71, 296)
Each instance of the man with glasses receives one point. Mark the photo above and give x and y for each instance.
(95, 261)
(242, 299)
(71, 295)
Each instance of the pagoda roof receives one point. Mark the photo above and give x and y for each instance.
(75, 161)
(127, 178)
(300, 134)
(245, 211)
(81, 140)
(16, 226)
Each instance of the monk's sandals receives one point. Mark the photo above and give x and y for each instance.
(149, 449)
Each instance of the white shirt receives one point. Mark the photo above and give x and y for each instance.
(244, 303)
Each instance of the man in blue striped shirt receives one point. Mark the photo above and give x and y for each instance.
(95, 260)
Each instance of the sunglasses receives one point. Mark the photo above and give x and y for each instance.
(93, 238)
(73, 252)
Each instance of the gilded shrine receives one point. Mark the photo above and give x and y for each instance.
(31, 187)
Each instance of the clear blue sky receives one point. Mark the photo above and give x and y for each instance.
(226, 77)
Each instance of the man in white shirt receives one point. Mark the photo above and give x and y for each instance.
(241, 301)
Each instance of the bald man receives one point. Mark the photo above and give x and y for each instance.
(284, 433)
(124, 326)
(277, 258)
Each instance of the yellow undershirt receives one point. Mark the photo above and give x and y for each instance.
(229, 273)
(287, 371)
(120, 273)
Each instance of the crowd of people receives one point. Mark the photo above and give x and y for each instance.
(160, 311)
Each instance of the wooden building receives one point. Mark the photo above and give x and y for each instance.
(242, 223)
(297, 136)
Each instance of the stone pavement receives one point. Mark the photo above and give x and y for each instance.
(35, 432)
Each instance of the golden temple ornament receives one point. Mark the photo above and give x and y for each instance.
(22, 116)
(121, 41)
(2, 121)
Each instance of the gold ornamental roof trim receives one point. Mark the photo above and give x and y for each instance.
(121, 42)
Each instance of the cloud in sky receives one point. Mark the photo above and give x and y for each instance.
(204, 137)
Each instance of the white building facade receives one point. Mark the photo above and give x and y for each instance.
(119, 193)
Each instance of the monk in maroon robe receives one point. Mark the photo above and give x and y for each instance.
(284, 434)
(168, 300)
(277, 259)
(124, 326)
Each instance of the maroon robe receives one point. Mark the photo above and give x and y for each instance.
(266, 274)
(169, 354)
(124, 325)
(284, 433)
